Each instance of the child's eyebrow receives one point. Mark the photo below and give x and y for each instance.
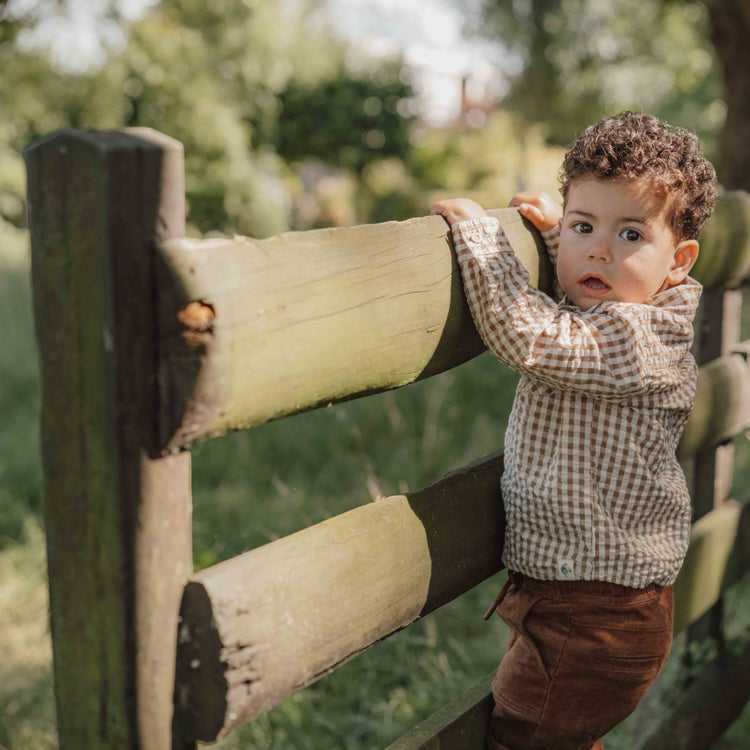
(581, 213)
(586, 214)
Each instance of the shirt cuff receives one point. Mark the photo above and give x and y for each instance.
(551, 236)
(477, 237)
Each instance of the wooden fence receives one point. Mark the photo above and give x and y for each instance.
(150, 341)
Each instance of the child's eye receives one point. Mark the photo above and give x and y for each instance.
(631, 235)
(583, 227)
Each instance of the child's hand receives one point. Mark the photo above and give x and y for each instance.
(458, 209)
(541, 209)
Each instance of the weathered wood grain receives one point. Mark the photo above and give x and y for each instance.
(274, 620)
(309, 318)
(118, 522)
(717, 333)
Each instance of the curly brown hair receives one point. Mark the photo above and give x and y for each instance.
(639, 146)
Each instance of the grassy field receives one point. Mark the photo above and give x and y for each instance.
(253, 487)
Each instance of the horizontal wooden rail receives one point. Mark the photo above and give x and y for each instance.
(259, 627)
(724, 259)
(722, 405)
(718, 556)
(286, 324)
(254, 330)
(461, 724)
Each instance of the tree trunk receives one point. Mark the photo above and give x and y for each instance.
(730, 34)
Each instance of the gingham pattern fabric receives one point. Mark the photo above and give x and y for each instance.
(592, 488)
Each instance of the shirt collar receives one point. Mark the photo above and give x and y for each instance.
(681, 300)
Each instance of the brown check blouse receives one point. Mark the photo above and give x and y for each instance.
(592, 488)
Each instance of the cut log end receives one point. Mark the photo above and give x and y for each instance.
(200, 696)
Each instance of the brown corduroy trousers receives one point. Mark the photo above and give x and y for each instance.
(581, 656)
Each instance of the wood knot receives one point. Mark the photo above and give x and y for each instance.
(197, 322)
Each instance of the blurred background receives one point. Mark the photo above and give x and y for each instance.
(298, 114)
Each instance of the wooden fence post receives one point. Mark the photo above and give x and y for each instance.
(717, 334)
(118, 518)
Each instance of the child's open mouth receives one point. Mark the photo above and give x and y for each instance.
(595, 284)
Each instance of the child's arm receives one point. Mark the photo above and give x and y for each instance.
(618, 352)
(541, 209)
(545, 213)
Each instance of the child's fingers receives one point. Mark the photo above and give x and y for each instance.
(544, 202)
(532, 198)
(457, 209)
(531, 212)
(445, 210)
(536, 216)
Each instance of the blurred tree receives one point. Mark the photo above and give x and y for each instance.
(36, 99)
(52, 24)
(346, 120)
(490, 160)
(10, 24)
(659, 55)
(580, 59)
(244, 85)
(730, 34)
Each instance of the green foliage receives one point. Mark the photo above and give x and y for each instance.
(581, 59)
(20, 476)
(306, 468)
(246, 86)
(209, 74)
(496, 161)
(347, 121)
(260, 92)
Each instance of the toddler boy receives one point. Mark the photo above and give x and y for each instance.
(597, 509)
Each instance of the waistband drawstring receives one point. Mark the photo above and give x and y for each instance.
(498, 599)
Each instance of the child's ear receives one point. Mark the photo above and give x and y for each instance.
(685, 255)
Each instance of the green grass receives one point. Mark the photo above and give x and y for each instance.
(256, 486)
(20, 481)
(26, 694)
(278, 478)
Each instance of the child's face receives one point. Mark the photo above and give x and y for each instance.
(616, 244)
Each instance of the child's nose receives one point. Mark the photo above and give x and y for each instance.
(600, 250)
